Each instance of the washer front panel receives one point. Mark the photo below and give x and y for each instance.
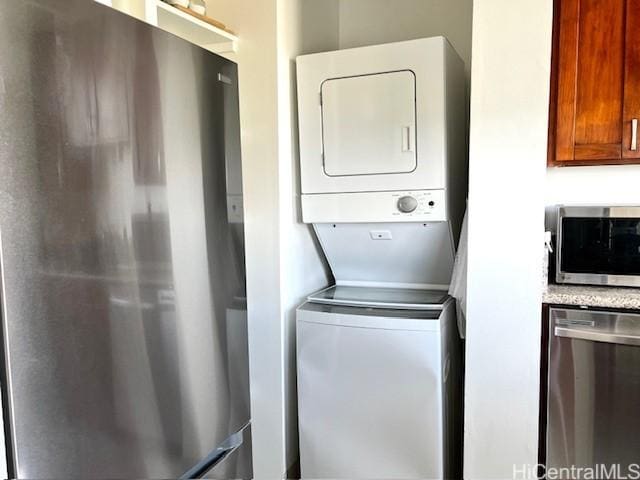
(370, 402)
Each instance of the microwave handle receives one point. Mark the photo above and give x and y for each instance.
(604, 337)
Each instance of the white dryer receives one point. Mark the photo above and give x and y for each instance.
(379, 124)
(379, 384)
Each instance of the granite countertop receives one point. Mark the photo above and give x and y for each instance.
(588, 296)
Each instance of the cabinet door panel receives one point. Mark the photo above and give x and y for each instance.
(601, 151)
(590, 68)
(631, 80)
(567, 53)
(600, 73)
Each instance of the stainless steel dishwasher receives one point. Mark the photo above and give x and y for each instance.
(593, 412)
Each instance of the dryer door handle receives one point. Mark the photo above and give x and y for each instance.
(406, 139)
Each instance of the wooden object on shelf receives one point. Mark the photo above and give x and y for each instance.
(195, 28)
(595, 83)
(204, 18)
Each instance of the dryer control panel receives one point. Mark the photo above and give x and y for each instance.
(418, 203)
(365, 207)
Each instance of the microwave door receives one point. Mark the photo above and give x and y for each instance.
(598, 250)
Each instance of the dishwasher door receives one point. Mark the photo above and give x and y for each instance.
(594, 391)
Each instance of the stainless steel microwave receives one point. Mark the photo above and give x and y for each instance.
(598, 245)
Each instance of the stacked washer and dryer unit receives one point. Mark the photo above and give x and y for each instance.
(384, 182)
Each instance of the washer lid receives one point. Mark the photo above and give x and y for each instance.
(370, 318)
(394, 298)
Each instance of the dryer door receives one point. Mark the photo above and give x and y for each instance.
(376, 119)
(369, 124)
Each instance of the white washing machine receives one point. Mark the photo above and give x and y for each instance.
(383, 170)
(379, 384)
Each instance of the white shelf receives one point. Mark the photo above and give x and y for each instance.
(190, 28)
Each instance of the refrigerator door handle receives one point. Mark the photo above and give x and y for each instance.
(214, 457)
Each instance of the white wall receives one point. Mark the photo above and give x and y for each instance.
(370, 22)
(509, 105)
(593, 185)
(255, 23)
(304, 26)
(283, 262)
(132, 7)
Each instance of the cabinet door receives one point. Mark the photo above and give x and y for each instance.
(631, 116)
(590, 56)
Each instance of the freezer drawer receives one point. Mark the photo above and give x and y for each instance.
(594, 389)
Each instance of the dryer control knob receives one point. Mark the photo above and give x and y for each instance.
(407, 204)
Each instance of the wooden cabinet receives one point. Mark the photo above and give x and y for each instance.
(595, 85)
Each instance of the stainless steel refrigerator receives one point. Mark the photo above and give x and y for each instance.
(122, 257)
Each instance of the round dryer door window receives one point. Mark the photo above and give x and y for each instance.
(369, 124)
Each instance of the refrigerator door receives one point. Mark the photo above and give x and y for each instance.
(124, 326)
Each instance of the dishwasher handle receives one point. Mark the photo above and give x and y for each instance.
(595, 336)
